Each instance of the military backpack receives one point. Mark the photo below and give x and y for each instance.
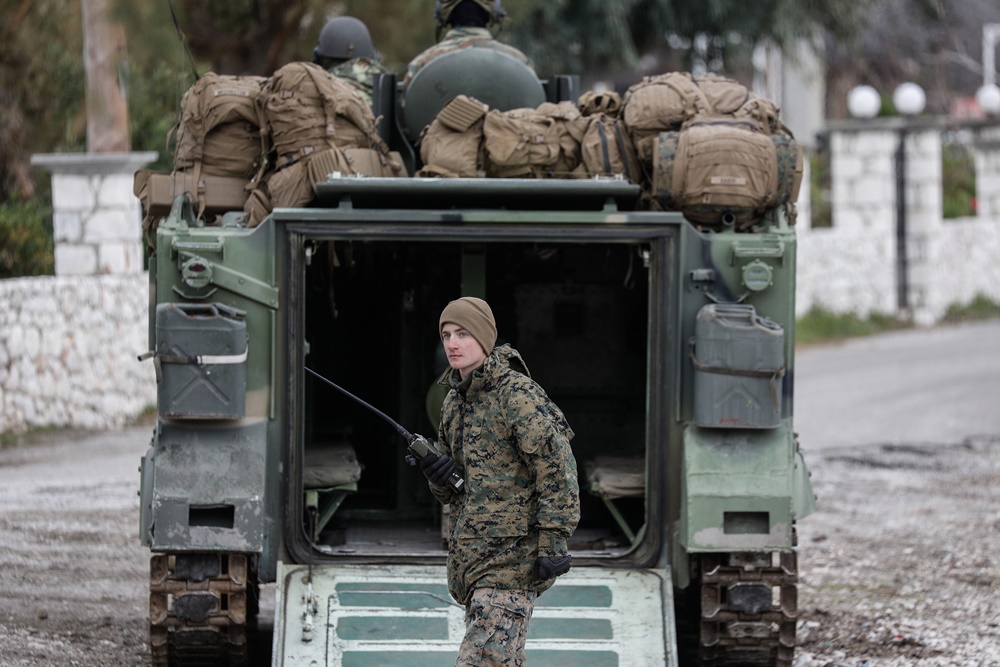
(218, 133)
(452, 145)
(535, 143)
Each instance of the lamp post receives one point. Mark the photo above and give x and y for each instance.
(910, 100)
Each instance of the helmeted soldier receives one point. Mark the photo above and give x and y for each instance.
(468, 23)
(345, 50)
(520, 503)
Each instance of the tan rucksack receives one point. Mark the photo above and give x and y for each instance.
(535, 143)
(295, 184)
(318, 125)
(660, 103)
(306, 110)
(731, 98)
(723, 170)
(218, 133)
(594, 102)
(607, 149)
(452, 145)
(663, 103)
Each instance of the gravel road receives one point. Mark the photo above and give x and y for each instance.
(899, 566)
(73, 576)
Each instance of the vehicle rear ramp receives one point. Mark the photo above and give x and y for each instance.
(364, 615)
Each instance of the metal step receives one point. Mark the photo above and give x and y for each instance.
(362, 616)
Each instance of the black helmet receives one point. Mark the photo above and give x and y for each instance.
(444, 8)
(344, 38)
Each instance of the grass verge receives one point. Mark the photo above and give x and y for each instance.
(819, 325)
(980, 308)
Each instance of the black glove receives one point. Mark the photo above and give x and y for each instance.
(550, 567)
(438, 468)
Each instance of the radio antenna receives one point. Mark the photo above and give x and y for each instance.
(180, 35)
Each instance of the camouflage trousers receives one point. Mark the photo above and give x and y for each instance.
(496, 625)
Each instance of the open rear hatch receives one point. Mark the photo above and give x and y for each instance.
(581, 285)
(368, 615)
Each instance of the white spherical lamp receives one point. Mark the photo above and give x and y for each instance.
(864, 102)
(988, 98)
(909, 99)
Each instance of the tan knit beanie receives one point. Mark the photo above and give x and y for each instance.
(473, 315)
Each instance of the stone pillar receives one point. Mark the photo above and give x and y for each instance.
(860, 274)
(987, 157)
(924, 215)
(96, 218)
(863, 185)
(863, 155)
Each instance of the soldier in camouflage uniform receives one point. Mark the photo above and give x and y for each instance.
(345, 50)
(467, 21)
(520, 503)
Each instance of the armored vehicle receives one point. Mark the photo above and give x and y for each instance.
(667, 344)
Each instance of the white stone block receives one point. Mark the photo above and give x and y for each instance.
(924, 143)
(115, 191)
(15, 342)
(870, 192)
(879, 218)
(30, 413)
(52, 340)
(67, 226)
(847, 218)
(868, 144)
(882, 142)
(46, 387)
(120, 257)
(926, 172)
(29, 363)
(40, 306)
(845, 167)
(109, 225)
(73, 192)
(75, 260)
(110, 405)
(62, 395)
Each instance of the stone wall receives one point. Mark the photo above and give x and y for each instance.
(852, 266)
(68, 349)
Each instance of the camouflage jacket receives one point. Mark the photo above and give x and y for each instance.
(521, 498)
(462, 38)
(360, 73)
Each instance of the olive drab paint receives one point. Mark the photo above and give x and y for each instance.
(666, 341)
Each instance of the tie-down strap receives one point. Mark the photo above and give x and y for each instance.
(772, 375)
(160, 358)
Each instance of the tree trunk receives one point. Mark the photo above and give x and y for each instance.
(103, 56)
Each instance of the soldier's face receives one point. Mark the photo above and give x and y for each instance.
(464, 352)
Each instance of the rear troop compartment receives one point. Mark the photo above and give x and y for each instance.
(574, 298)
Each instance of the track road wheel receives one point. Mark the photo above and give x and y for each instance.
(749, 608)
(199, 607)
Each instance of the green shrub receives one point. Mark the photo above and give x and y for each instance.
(980, 308)
(958, 181)
(819, 325)
(25, 239)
